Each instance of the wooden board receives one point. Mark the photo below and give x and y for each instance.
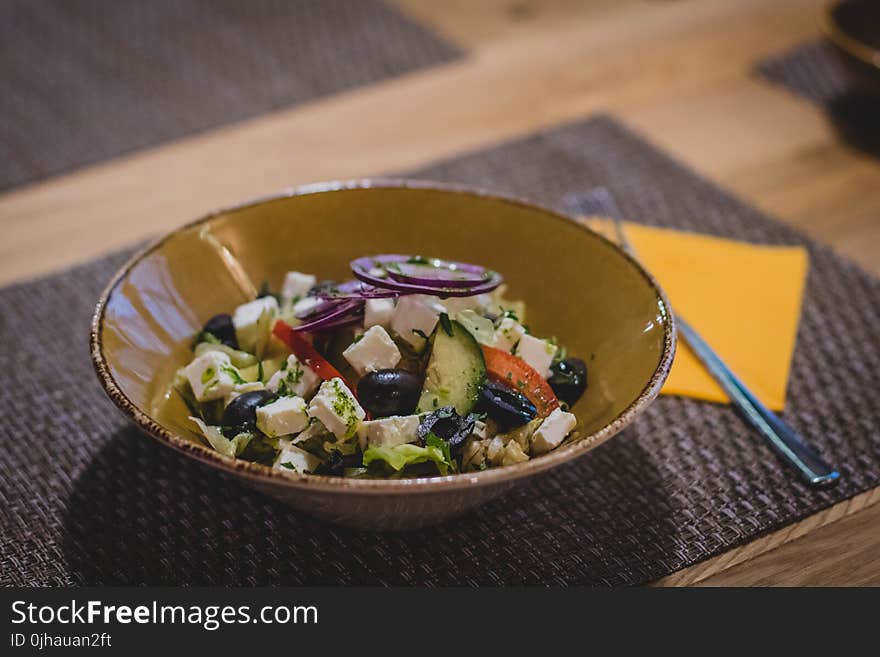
(679, 72)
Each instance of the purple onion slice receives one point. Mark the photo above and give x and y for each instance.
(418, 275)
(335, 315)
(356, 290)
(322, 306)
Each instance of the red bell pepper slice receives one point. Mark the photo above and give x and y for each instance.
(513, 372)
(306, 353)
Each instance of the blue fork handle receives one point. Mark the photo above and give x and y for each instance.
(812, 468)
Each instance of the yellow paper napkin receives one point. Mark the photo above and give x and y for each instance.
(744, 299)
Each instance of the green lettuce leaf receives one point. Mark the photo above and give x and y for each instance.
(400, 456)
(228, 447)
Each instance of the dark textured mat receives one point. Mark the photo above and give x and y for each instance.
(86, 80)
(814, 72)
(85, 499)
(810, 70)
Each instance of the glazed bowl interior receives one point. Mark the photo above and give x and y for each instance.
(577, 287)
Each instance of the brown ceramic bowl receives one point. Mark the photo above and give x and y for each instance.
(577, 286)
(853, 27)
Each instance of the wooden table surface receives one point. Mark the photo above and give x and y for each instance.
(678, 71)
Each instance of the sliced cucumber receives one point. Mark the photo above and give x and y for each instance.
(237, 357)
(252, 373)
(455, 371)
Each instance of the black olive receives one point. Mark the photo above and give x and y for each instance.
(568, 379)
(445, 423)
(241, 414)
(389, 392)
(221, 327)
(336, 464)
(505, 405)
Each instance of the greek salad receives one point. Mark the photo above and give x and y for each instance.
(415, 367)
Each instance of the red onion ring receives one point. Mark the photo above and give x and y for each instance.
(323, 307)
(356, 290)
(341, 313)
(364, 269)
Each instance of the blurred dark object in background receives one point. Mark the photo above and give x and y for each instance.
(853, 28)
(856, 116)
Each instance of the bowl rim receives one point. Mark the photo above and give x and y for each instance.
(266, 474)
(835, 32)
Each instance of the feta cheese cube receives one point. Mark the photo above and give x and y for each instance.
(246, 320)
(378, 312)
(374, 351)
(388, 431)
(284, 416)
(553, 431)
(416, 314)
(336, 407)
(211, 376)
(294, 378)
(294, 459)
(306, 305)
(537, 353)
(296, 285)
(508, 333)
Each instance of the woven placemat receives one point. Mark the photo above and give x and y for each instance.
(86, 499)
(811, 70)
(86, 80)
(814, 72)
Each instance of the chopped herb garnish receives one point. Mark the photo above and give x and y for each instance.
(417, 260)
(446, 324)
(233, 373)
(289, 466)
(266, 291)
(433, 440)
(507, 312)
(207, 375)
(343, 406)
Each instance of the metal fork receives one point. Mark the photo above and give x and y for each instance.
(782, 437)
